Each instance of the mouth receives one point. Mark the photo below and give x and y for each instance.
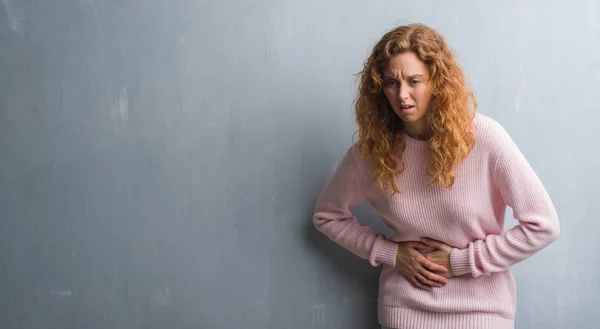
(406, 108)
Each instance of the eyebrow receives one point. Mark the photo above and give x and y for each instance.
(387, 76)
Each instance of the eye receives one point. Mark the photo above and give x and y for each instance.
(390, 82)
(415, 81)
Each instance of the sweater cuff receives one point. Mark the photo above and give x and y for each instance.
(459, 261)
(385, 253)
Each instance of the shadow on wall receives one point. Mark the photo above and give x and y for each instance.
(350, 270)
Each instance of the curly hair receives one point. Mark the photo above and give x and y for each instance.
(449, 117)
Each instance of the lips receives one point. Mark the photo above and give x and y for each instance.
(406, 108)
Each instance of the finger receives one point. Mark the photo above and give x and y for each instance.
(438, 245)
(416, 244)
(433, 277)
(421, 247)
(420, 285)
(433, 257)
(428, 282)
(433, 243)
(431, 265)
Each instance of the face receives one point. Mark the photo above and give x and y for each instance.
(405, 87)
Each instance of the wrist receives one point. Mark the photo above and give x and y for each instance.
(386, 252)
(459, 262)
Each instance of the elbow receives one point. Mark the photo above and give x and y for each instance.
(324, 222)
(553, 232)
(319, 222)
(316, 221)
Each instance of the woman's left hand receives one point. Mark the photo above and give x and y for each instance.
(441, 255)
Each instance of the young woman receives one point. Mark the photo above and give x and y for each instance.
(441, 176)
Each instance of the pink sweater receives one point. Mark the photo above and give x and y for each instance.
(470, 217)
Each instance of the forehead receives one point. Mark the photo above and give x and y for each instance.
(405, 64)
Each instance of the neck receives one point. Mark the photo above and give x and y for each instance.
(418, 132)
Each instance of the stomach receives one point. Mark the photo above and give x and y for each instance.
(494, 294)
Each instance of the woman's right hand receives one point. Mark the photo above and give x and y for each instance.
(419, 270)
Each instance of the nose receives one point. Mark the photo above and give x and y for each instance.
(403, 93)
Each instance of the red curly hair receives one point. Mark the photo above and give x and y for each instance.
(449, 117)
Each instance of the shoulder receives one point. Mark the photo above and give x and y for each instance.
(493, 141)
(356, 157)
(490, 134)
(488, 127)
(351, 160)
(359, 162)
(350, 169)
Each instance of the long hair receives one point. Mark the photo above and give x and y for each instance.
(449, 117)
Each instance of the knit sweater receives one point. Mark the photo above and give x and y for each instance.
(469, 217)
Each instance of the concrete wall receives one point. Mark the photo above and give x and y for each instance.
(160, 160)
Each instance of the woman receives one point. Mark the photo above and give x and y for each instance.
(441, 176)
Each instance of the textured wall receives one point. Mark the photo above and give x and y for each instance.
(160, 160)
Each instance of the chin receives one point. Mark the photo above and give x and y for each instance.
(410, 118)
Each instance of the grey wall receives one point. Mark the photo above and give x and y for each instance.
(159, 161)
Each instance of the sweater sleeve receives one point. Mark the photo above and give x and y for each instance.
(333, 216)
(522, 190)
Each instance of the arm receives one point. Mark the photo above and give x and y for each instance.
(522, 190)
(333, 216)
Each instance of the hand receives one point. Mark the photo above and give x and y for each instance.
(420, 271)
(440, 256)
